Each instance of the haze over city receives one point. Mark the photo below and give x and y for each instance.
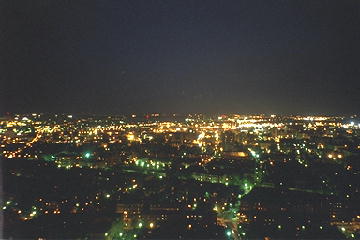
(154, 119)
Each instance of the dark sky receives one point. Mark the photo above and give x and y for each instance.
(180, 56)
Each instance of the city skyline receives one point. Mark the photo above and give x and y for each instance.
(229, 177)
(180, 119)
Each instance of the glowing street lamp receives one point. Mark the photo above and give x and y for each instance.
(228, 232)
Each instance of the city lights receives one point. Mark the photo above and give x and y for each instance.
(169, 171)
(128, 120)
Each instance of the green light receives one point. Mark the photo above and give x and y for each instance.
(343, 229)
(120, 234)
(140, 225)
(228, 232)
(87, 155)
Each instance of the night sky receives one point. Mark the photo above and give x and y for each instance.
(115, 57)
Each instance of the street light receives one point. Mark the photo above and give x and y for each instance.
(228, 232)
